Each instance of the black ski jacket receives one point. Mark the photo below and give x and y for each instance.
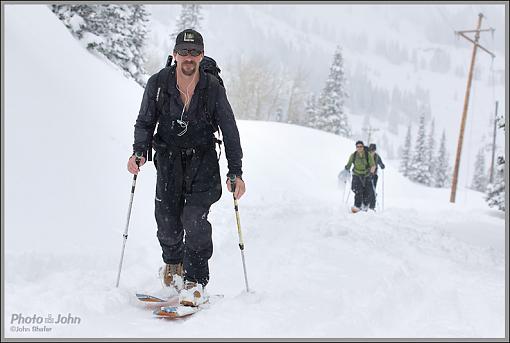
(200, 132)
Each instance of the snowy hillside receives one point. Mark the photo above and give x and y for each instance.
(421, 268)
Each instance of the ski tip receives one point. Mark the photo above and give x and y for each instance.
(355, 209)
(174, 312)
(149, 298)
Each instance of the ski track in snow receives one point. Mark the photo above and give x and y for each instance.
(372, 275)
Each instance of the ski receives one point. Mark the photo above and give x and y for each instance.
(148, 298)
(175, 312)
(169, 307)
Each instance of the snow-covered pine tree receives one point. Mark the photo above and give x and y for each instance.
(117, 32)
(139, 22)
(441, 176)
(189, 18)
(405, 158)
(431, 146)
(330, 110)
(310, 110)
(495, 195)
(479, 182)
(419, 167)
(496, 190)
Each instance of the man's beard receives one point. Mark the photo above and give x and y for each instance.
(191, 71)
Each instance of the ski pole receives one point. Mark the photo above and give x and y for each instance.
(232, 179)
(350, 188)
(382, 203)
(138, 156)
(345, 188)
(373, 189)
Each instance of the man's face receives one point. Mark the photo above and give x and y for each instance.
(186, 61)
(359, 147)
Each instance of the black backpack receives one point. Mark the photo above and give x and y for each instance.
(210, 67)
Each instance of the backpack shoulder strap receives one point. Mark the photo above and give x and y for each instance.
(163, 81)
(162, 86)
(209, 100)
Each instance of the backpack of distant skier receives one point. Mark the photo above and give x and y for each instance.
(211, 69)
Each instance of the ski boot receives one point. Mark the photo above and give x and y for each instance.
(193, 294)
(172, 276)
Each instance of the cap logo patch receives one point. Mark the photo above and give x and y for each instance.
(189, 37)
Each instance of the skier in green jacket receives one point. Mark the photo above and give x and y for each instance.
(362, 172)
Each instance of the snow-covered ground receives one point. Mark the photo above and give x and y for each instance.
(421, 268)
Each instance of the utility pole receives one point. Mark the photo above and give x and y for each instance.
(491, 174)
(370, 129)
(466, 98)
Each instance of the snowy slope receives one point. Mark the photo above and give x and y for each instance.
(421, 268)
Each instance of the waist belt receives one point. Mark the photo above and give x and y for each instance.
(186, 162)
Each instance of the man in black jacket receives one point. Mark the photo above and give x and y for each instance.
(188, 175)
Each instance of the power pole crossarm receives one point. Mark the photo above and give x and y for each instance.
(472, 41)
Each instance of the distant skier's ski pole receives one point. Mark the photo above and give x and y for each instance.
(373, 189)
(125, 235)
(232, 179)
(382, 203)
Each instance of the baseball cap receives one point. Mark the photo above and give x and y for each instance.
(189, 39)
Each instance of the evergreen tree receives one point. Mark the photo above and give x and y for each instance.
(139, 22)
(189, 18)
(441, 177)
(496, 191)
(330, 116)
(495, 195)
(406, 153)
(431, 146)
(419, 167)
(117, 32)
(479, 182)
(310, 110)
(278, 114)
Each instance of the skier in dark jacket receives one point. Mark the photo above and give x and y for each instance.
(188, 175)
(372, 148)
(362, 172)
(378, 163)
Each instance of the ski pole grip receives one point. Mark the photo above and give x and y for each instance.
(232, 179)
(138, 157)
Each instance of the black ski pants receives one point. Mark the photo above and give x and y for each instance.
(187, 185)
(363, 191)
